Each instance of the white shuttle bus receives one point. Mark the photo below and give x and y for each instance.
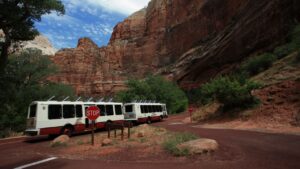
(145, 112)
(66, 117)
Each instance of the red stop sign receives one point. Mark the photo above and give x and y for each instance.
(92, 113)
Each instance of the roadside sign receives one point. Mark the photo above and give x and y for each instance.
(92, 113)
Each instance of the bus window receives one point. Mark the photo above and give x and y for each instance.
(68, 111)
(128, 109)
(109, 110)
(102, 110)
(54, 112)
(78, 111)
(150, 109)
(143, 109)
(118, 109)
(32, 111)
(146, 109)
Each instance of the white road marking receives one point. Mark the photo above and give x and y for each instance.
(176, 123)
(36, 163)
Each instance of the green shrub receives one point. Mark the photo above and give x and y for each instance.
(283, 50)
(258, 64)
(231, 91)
(155, 88)
(175, 139)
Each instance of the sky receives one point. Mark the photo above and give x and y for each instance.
(86, 18)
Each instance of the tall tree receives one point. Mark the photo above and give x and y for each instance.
(17, 19)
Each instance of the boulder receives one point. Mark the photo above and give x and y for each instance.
(63, 139)
(141, 134)
(106, 142)
(199, 146)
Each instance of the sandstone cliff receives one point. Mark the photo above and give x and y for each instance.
(187, 41)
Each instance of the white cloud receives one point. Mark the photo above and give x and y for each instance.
(125, 7)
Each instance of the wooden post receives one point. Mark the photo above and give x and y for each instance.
(122, 133)
(108, 132)
(115, 133)
(93, 125)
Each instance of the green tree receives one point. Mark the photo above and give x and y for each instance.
(233, 91)
(158, 89)
(23, 81)
(17, 19)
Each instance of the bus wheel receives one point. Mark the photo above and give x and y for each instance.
(149, 120)
(67, 130)
(161, 118)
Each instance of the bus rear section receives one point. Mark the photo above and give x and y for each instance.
(145, 112)
(31, 120)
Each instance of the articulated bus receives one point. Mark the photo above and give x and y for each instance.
(66, 117)
(145, 112)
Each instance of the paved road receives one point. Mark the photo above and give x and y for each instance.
(238, 149)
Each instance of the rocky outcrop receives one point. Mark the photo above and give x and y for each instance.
(88, 69)
(186, 41)
(40, 42)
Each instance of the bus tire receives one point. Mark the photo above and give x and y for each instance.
(67, 130)
(149, 120)
(161, 118)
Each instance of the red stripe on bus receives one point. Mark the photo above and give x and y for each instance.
(52, 130)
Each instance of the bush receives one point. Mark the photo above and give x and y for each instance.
(258, 64)
(25, 80)
(283, 50)
(171, 143)
(155, 88)
(230, 91)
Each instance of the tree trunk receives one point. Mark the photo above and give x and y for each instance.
(4, 55)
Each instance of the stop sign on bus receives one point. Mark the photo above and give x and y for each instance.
(92, 113)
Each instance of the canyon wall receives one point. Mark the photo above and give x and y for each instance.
(186, 41)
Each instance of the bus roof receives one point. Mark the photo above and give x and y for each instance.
(72, 102)
(144, 103)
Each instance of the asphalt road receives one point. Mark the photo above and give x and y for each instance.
(238, 149)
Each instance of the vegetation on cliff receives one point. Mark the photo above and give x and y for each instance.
(155, 88)
(23, 81)
(235, 91)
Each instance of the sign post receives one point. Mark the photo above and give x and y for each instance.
(92, 113)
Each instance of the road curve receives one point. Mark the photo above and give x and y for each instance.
(238, 149)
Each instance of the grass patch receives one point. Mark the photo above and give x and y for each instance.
(80, 142)
(143, 140)
(175, 139)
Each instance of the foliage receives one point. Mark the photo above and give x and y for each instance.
(292, 45)
(24, 81)
(258, 63)
(231, 91)
(155, 88)
(175, 139)
(17, 20)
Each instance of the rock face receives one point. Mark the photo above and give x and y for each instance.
(186, 41)
(40, 42)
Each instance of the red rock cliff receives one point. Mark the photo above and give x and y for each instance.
(188, 41)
